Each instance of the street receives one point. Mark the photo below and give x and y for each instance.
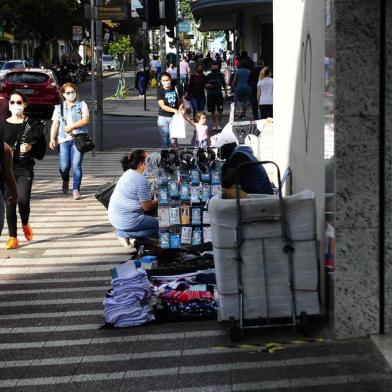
(51, 293)
(122, 131)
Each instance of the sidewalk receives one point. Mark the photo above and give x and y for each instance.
(51, 293)
(133, 104)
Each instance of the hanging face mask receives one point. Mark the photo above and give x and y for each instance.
(166, 83)
(16, 109)
(70, 97)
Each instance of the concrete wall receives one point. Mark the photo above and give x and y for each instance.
(299, 94)
(388, 169)
(357, 47)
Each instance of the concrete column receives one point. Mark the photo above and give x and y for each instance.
(356, 151)
(388, 171)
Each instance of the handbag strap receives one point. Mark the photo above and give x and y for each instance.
(15, 146)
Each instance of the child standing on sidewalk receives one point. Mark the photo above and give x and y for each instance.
(200, 137)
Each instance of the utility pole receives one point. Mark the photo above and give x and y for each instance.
(162, 44)
(144, 66)
(180, 87)
(99, 84)
(93, 91)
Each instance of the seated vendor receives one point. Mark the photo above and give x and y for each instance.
(131, 202)
(253, 179)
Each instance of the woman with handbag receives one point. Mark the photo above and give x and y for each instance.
(25, 136)
(70, 118)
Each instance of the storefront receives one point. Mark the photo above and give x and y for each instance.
(6, 44)
(250, 22)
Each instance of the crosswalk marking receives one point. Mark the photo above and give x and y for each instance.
(108, 340)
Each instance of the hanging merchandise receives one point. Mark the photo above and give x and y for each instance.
(163, 216)
(164, 239)
(196, 236)
(196, 215)
(163, 197)
(195, 177)
(185, 191)
(206, 192)
(174, 215)
(173, 188)
(195, 194)
(185, 214)
(175, 241)
(186, 181)
(186, 235)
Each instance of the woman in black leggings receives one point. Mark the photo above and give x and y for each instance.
(20, 132)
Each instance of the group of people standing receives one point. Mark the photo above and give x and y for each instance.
(22, 141)
(202, 84)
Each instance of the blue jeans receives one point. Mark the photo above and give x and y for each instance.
(164, 130)
(70, 157)
(198, 104)
(148, 227)
(183, 83)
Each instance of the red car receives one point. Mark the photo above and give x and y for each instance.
(39, 85)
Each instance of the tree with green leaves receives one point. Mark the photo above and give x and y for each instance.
(45, 19)
(120, 48)
(185, 8)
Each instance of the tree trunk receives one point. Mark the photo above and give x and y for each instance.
(38, 51)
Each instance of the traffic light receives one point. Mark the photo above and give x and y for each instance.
(158, 12)
(153, 18)
(171, 32)
(170, 13)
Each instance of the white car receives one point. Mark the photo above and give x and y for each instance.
(11, 65)
(109, 63)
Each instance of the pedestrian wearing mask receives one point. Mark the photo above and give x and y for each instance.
(69, 118)
(169, 104)
(195, 91)
(214, 85)
(25, 136)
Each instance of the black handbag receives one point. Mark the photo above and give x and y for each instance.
(83, 142)
(104, 192)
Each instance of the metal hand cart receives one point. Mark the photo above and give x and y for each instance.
(247, 304)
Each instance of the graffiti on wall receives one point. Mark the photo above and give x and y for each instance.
(306, 84)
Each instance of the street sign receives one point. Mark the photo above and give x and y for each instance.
(107, 12)
(77, 33)
(184, 27)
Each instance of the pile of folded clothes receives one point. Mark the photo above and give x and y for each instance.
(192, 296)
(128, 303)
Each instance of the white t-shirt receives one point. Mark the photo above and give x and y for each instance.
(173, 73)
(266, 88)
(68, 119)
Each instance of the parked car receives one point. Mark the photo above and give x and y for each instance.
(12, 64)
(109, 63)
(39, 85)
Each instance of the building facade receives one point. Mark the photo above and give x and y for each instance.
(335, 54)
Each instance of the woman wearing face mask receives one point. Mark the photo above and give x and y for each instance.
(21, 134)
(69, 118)
(169, 104)
(195, 90)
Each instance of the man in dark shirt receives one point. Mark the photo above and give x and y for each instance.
(256, 179)
(215, 83)
(253, 80)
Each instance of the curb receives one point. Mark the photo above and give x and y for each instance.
(131, 115)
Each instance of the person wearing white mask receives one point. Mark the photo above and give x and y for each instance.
(22, 135)
(69, 117)
(169, 104)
